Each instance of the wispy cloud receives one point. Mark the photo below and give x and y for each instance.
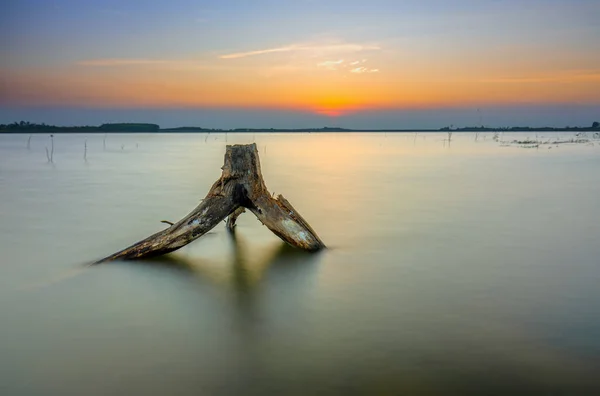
(337, 48)
(258, 52)
(322, 54)
(162, 64)
(331, 65)
(347, 66)
(363, 69)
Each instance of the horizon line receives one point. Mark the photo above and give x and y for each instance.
(28, 127)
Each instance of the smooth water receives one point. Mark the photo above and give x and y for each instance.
(466, 269)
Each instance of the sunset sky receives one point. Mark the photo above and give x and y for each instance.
(302, 63)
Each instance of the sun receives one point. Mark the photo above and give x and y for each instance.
(335, 106)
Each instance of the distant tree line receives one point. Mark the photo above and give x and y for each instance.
(25, 126)
(129, 127)
(29, 127)
(190, 129)
(595, 127)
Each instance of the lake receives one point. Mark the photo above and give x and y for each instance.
(462, 268)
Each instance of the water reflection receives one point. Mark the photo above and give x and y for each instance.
(259, 284)
(244, 270)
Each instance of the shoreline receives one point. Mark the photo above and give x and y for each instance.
(221, 131)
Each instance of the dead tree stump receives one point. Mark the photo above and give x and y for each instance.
(241, 186)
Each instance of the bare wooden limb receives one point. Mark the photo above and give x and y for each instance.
(233, 217)
(201, 220)
(240, 186)
(284, 221)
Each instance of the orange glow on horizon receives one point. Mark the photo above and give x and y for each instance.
(330, 112)
(327, 93)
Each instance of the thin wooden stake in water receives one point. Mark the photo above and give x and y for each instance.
(50, 154)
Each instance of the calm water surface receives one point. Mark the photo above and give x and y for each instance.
(469, 269)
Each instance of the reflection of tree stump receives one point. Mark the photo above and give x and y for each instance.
(240, 186)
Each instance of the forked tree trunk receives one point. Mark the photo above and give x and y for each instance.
(241, 186)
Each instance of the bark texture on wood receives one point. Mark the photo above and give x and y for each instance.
(233, 218)
(240, 186)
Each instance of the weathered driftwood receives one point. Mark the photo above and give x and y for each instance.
(241, 186)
